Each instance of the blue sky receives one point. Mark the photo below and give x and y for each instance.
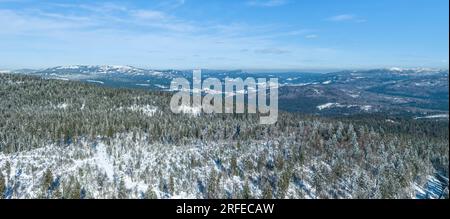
(225, 34)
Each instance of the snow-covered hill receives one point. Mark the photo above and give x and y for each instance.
(115, 169)
(64, 139)
(99, 70)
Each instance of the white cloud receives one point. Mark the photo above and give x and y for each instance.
(89, 17)
(342, 17)
(36, 22)
(312, 36)
(100, 8)
(347, 18)
(149, 15)
(119, 34)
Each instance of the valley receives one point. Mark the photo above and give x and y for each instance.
(395, 91)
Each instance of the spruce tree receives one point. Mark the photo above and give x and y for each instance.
(47, 181)
(122, 190)
(267, 191)
(2, 186)
(171, 185)
(75, 191)
(246, 191)
(150, 194)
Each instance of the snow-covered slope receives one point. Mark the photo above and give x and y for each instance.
(435, 187)
(109, 169)
(98, 69)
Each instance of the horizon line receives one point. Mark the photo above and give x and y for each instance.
(280, 70)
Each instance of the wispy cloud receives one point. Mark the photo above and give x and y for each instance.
(272, 51)
(312, 36)
(342, 17)
(171, 4)
(251, 33)
(266, 3)
(102, 8)
(149, 15)
(85, 17)
(115, 33)
(346, 17)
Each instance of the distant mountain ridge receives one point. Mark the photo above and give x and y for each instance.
(98, 69)
(136, 70)
(417, 92)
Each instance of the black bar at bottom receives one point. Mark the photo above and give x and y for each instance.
(225, 208)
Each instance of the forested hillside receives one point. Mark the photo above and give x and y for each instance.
(65, 139)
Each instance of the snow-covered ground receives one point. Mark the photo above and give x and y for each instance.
(329, 105)
(144, 85)
(100, 167)
(161, 86)
(338, 105)
(95, 81)
(438, 116)
(189, 110)
(146, 110)
(433, 189)
(171, 171)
